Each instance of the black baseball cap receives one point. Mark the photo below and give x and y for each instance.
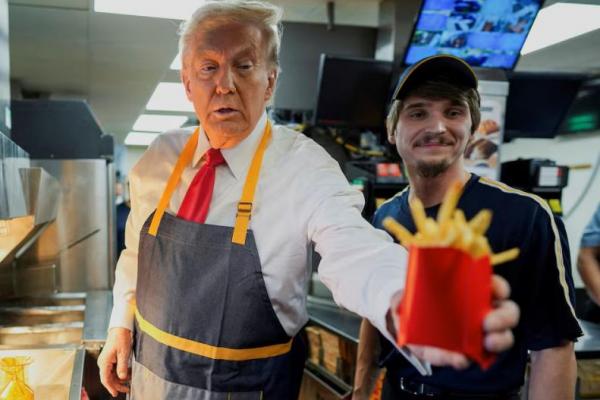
(439, 67)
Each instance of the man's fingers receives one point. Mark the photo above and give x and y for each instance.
(505, 316)
(114, 361)
(123, 362)
(500, 288)
(106, 361)
(440, 357)
(499, 341)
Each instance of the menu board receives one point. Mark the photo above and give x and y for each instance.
(484, 33)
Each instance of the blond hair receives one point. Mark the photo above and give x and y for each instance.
(266, 16)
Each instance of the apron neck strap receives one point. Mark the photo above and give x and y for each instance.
(244, 211)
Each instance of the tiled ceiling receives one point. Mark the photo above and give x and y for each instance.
(62, 49)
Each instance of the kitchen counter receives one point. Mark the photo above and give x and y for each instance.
(328, 315)
(98, 306)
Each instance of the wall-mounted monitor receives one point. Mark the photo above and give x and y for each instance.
(484, 33)
(352, 92)
(537, 103)
(584, 113)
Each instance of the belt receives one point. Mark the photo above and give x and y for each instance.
(426, 391)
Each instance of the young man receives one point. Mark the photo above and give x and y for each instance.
(434, 113)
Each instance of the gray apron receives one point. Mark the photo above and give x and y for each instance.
(205, 327)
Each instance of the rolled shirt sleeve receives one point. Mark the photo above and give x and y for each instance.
(362, 266)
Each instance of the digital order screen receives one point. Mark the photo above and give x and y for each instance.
(484, 33)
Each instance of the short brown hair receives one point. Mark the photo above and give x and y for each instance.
(439, 90)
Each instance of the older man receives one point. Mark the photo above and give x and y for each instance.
(218, 305)
(434, 113)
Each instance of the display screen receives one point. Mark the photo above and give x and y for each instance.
(584, 113)
(538, 102)
(353, 92)
(484, 33)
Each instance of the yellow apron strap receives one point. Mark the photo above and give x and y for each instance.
(242, 218)
(187, 154)
(206, 350)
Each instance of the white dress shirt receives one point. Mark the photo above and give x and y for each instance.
(302, 197)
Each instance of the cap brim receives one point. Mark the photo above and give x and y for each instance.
(444, 67)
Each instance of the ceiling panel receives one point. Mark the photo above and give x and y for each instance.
(72, 4)
(115, 61)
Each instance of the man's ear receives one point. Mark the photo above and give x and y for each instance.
(391, 136)
(185, 79)
(271, 84)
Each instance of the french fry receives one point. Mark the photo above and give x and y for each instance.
(431, 229)
(481, 222)
(504, 256)
(418, 213)
(451, 229)
(480, 247)
(449, 203)
(459, 217)
(402, 234)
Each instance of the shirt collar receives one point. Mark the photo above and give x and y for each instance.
(238, 158)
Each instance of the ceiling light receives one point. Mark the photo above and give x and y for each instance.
(169, 96)
(559, 22)
(176, 64)
(173, 9)
(158, 123)
(140, 138)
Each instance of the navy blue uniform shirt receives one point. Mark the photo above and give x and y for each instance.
(540, 280)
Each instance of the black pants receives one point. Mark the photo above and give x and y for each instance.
(394, 392)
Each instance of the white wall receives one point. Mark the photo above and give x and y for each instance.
(567, 150)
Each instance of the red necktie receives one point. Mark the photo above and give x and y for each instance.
(197, 199)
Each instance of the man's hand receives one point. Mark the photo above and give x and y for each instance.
(114, 361)
(497, 326)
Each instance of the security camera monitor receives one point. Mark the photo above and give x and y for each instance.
(484, 33)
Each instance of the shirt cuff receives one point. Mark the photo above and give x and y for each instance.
(122, 316)
(385, 302)
(590, 240)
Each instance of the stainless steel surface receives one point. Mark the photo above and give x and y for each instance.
(98, 307)
(29, 316)
(77, 375)
(27, 280)
(42, 194)
(78, 241)
(12, 197)
(42, 320)
(336, 387)
(59, 333)
(40, 191)
(55, 299)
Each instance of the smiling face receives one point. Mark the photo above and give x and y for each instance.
(229, 80)
(431, 134)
